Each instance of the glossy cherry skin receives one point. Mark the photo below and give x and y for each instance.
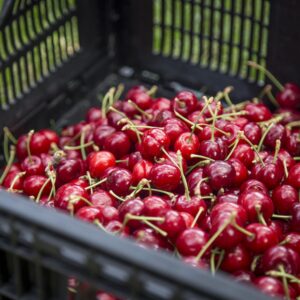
(185, 102)
(39, 143)
(257, 112)
(220, 173)
(249, 200)
(294, 176)
(99, 161)
(9, 180)
(191, 241)
(289, 97)
(165, 177)
(191, 206)
(152, 142)
(33, 166)
(213, 149)
(281, 255)
(174, 128)
(161, 104)
(286, 157)
(254, 185)
(188, 219)
(141, 170)
(140, 98)
(196, 186)
(270, 286)
(241, 172)
(33, 184)
(69, 169)
(66, 193)
(277, 132)
(244, 153)
(101, 133)
(188, 144)
(292, 143)
(230, 197)
(117, 143)
(243, 276)
(252, 132)
(119, 181)
(236, 259)
(100, 198)
(284, 197)
(51, 135)
(94, 114)
(88, 213)
(263, 239)
(173, 223)
(21, 149)
(108, 214)
(295, 221)
(104, 296)
(155, 206)
(292, 241)
(171, 158)
(116, 227)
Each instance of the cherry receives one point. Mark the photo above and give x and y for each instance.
(94, 114)
(14, 181)
(256, 203)
(81, 181)
(140, 98)
(69, 197)
(99, 161)
(289, 97)
(232, 132)
(192, 206)
(236, 259)
(281, 256)
(197, 183)
(244, 153)
(230, 197)
(33, 165)
(196, 263)
(278, 227)
(283, 198)
(185, 102)
(216, 150)
(252, 132)
(277, 132)
(141, 170)
(240, 122)
(165, 176)
(294, 176)
(191, 241)
(171, 158)
(174, 128)
(133, 207)
(220, 173)
(286, 158)
(116, 227)
(264, 237)
(155, 206)
(173, 223)
(108, 214)
(101, 133)
(117, 143)
(241, 172)
(243, 276)
(101, 198)
(69, 169)
(114, 119)
(119, 181)
(257, 112)
(133, 159)
(104, 296)
(254, 185)
(88, 213)
(153, 141)
(188, 219)
(51, 135)
(295, 221)
(161, 104)
(33, 184)
(39, 143)
(160, 117)
(270, 286)
(188, 144)
(196, 117)
(292, 144)
(21, 147)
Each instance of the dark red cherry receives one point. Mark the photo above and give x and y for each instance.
(252, 132)
(51, 135)
(153, 141)
(141, 99)
(114, 119)
(119, 181)
(277, 132)
(174, 128)
(69, 169)
(191, 206)
(240, 122)
(133, 207)
(118, 144)
(34, 183)
(99, 161)
(94, 114)
(212, 149)
(257, 112)
(188, 144)
(14, 181)
(101, 133)
(230, 197)
(108, 214)
(21, 147)
(185, 102)
(236, 259)
(88, 213)
(155, 206)
(173, 223)
(196, 184)
(165, 176)
(283, 198)
(33, 165)
(295, 221)
(116, 227)
(241, 172)
(244, 153)
(269, 285)
(141, 170)
(172, 159)
(161, 104)
(220, 174)
(263, 238)
(39, 143)
(243, 276)
(101, 198)
(188, 219)
(289, 97)
(294, 176)
(292, 143)
(191, 241)
(254, 185)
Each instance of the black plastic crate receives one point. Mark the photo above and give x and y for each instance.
(56, 56)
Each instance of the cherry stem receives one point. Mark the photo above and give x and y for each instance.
(260, 216)
(10, 136)
(197, 189)
(99, 224)
(141, 111)
(19, 175)
(201, 156)
(138, 188)
(253, 148)
(285, 283)
(236, 142)
(38, 197)
(95, 184)
(277, 148)
(273, 79)
(228, 115)
(117, 196)
(286, 172)
(152, 91)
(264, 136)
(82, 145)
(58, 156)
(88, 175)
(283, 274)
(132, 126)
(52, 175)
(215, 236)
(281, 217)
(296, 157)
(221, 257)
(200, 211)
(184, 181)
(171, 195)
(226, 93)
(212, 262)
(242, 230)
(79, 147)
(106, 101)
(200, 163)
(268, 91)
(293, 124)
(254, 262)
(119, 92)
(11, 159)
(29, 136)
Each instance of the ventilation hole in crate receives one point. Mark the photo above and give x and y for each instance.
(221, 35)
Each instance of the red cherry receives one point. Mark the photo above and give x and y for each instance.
(141, 170)
(104, 296)
(241, 172)
(21, 147)
(185, 102)
(270, 286)
(188, 144)
(240, 122)
(283, 198)
(289, 97)
(116, 227)
(277, 132)
(51, 135)
(294, 176)
(191, 241)
(244, 153)
(161, 104)
(155, 206)
(188, 219)
(108, 214)
(254, 185)
(65, 196)
(263, 239)
(230, 197)
(140, 98)
(258, 112)
(165, 177)
(33, 184)
(88, 213)
(33, 165)
(119, 181)
(99, 161)
(196, 185)
(81, 182)
(39, 143)
(152, 143)
(13, 181)
(94, 114)
(213, 149)
(114, 119)
(236, 259)
(101, 198)
(171, 158)
(295, 222)
(252, 132)
(117, 143)
(69, 169)
(191, 206)
(278, 227)
(101, 133)
(174, 128)
(173, 223)
(220, 173)
(284, 156)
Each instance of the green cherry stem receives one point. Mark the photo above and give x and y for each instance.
(284, 283)
(38, 197)
(29, 136)
(11, 159)
(95, 184)
(281, 217)
(19, 175)
(200, 211)
(119, 92)
(152, 91)
(10, 135)
(277, 148)
(264, 136)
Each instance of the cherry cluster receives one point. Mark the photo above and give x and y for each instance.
(214, 182)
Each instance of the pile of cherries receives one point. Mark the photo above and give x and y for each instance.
(215, 182)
